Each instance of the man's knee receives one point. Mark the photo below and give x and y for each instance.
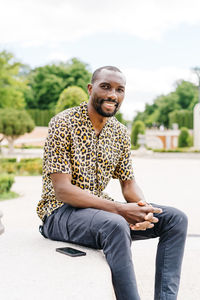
(177, 219)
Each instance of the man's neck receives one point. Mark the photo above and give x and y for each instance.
(97, 120)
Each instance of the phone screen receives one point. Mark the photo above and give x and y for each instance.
(70, 251)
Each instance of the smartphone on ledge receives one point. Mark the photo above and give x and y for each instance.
(70, 251)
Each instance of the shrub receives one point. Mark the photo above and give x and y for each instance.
(8, 167)
(7, 160)
(138, 127)
(30, 166)
(184, 139)
(71, 96)
(6, 182)
(26, 166)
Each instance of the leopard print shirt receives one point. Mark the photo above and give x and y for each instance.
(72, 147)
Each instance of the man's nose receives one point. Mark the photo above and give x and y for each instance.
(112, 94)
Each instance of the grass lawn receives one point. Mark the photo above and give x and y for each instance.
(8, 195)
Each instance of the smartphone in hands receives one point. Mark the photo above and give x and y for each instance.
(71, 251)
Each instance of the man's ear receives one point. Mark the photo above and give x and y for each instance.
(89, 88)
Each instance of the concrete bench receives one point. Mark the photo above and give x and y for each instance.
(32, 269)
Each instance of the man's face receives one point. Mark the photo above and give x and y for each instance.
(107, 92)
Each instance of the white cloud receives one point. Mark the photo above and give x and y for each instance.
(58, 56)
(145, 85)
(35, 21)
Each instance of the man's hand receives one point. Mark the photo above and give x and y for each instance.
(149, 219)
(136, 213)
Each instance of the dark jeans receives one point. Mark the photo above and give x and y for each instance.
(108, 231)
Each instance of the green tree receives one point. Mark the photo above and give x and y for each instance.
(183, 117)
(138, 127)
(14, 123)
(187, 94)
(71, 96)
(12, 85)
(46, 83)
(184, 97)
(166, 104)
(184, 138)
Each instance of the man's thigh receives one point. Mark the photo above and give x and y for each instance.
(83, 226)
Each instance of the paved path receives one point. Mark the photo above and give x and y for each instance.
(31, 269)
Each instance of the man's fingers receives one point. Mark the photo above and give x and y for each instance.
(142, 226)
(154, 210)
(149, 217)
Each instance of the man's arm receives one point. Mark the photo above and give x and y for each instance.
(73, 195)
(131, 191)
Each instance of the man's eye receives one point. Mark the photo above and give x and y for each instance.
(105, 86)
(120, 90)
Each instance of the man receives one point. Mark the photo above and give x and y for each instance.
(85, 148)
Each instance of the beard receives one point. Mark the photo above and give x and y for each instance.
(98, 102)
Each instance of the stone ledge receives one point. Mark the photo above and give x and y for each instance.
(30, 264)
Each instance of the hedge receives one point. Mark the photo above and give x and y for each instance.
(27, 166)
(184, 118)
(41, 117)
(6, 182)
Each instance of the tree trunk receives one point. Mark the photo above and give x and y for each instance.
(10, 144)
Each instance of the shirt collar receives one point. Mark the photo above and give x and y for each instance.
(85, 116)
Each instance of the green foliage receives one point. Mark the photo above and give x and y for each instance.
(41, 117)
(8, 160)
(184, 139)
(71, 96)
(8, 195)
(14, 123)
(166, 104)
(184, 118)
(27, 166)
(138, 127)
(6, 182)
(187, 94)
(119, 117)
(46, 83)
(31, 166)
(8, 167)
(184, 98)
(12, 85)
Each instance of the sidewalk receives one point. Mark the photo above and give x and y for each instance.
(31, 269)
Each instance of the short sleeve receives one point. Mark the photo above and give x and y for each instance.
(124, 169)
(57, 148)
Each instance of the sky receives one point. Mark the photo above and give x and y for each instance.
(155, 43)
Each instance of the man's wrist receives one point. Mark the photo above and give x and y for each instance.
(119, 207)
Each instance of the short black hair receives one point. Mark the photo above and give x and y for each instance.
(97, 71)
